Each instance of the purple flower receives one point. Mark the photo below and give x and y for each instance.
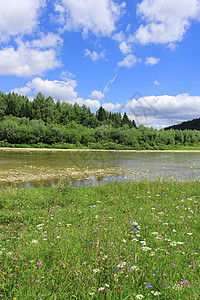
(37, 281)
(11, 275)
(115, 270)
(149, 286)
(133, 224)
(130, 269)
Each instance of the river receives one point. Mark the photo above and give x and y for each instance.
(48, 167)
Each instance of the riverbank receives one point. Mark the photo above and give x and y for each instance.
(120, 241)
(92, 150)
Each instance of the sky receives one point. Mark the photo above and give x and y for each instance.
(136, 56)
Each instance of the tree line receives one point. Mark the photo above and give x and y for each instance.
(44, 123)
(58, 113)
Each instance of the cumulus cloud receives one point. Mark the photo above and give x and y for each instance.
(95, 55)
(51, 40)
(152, 61)
(166, 21)
(119, 36)
(93, 104)
(156, 82)
(63, 90)
(99, 16)
(110, 106)
(18, 17)
(129, 61)
(125, 48)
(97, 95)
(26, 62)
(172, 109)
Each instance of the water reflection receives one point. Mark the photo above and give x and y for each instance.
(136, 166)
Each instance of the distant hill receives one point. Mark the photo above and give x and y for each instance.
(192, 125)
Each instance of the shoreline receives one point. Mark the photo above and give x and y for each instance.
(9, 149)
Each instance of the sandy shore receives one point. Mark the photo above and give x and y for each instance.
(90, 150)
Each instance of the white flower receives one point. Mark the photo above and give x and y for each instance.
(34, 241)
(139, 296)
(96, 270)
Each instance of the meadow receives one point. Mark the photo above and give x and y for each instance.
(137, 240)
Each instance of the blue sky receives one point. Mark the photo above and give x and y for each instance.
(141, 57)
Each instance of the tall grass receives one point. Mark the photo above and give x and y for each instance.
(135, 240)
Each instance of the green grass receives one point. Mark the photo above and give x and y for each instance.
(118, 241)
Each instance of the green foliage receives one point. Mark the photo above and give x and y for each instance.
(43, 122)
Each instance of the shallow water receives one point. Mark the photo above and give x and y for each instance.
(135, 165)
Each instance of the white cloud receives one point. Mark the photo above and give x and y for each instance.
(111, 106)
(125, 48)
(129, 61)
(63, 90)
(119, 36)
(26, 62)
(97, 95)
(152, 61)
(171, 109)
(156, 82)
(51, 40)
(166, 21)
(97, 16)
(93, 104)
(95, 55)
(18, 17)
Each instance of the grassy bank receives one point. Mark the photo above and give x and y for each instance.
(119, 241)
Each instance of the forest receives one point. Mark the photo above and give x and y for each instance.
(192, 125)
(46, 123)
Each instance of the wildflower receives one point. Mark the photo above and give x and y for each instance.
(101, 289)
(15, 258)
(115, 270)
(37, 281)
(11, 275)
(139, 296)
(135, 230)
(177, 287)
(39, 264)
(96, 270)
(149, 286)
(155, 293)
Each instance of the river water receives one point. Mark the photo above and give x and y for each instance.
(134, 165)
